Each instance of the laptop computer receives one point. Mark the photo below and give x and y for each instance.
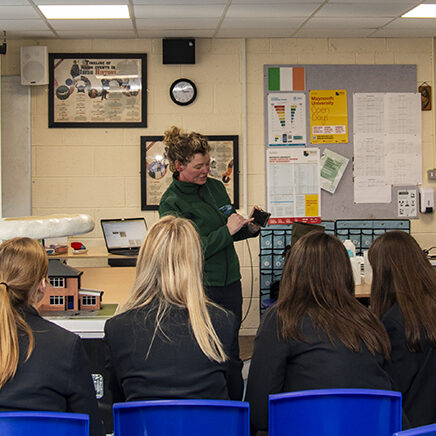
(124, 236)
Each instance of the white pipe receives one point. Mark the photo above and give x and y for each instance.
(1, 188)
(433, 99)
(244, 125)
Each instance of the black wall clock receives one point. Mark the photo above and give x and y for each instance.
(183, 92)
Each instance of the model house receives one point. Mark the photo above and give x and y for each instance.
(64, 293)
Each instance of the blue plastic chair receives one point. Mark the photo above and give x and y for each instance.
(182, 417)
(43, 424)
(335, 412)
(429, 430)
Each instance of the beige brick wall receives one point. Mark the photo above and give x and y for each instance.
(96, 171)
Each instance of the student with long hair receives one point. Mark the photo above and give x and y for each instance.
(169, 341)
(317, 335)
(403, 296)
(42, 366)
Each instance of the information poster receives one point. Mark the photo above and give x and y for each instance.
(92, 90)
(286, 119)
(293, 185)
(328, 117)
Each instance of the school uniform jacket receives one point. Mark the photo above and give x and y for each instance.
(287, 366)
(56, 377)
(413, 373)
(209, 207)
(147, 363)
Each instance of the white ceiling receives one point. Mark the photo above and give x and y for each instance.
(22, 19)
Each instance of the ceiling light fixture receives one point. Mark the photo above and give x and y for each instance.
(85, 12)
(422, 11)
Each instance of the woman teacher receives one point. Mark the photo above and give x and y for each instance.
(204, 200)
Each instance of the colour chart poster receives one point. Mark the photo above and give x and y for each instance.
(286, 119)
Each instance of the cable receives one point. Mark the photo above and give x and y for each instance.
(427, 250)
(252, 285)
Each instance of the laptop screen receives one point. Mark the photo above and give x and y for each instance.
(124, 233)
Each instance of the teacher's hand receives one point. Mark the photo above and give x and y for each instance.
(236, 222)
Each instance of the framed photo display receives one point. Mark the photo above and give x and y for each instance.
(97, 90)
(156, 175)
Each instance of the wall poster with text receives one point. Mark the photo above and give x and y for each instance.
(97, 90)
(328, 116)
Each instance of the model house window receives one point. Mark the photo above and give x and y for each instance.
(56, 300)
(57, 282)
(89, 300)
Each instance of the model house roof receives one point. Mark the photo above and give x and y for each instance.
(56, 268)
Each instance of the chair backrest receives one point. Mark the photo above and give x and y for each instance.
(43, 424)
(182, 417)
(338, 412)
(429, 430)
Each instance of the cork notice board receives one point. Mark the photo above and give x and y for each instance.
(353, 79)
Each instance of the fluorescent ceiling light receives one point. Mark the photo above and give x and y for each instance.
(422, 11)
(84, 12)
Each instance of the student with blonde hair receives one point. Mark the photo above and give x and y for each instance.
(403, 296)
(168, 340)
(42, 366)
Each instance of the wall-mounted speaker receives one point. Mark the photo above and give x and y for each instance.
(178, 50)
(34, 65)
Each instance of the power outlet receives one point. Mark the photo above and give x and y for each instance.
(431, 174)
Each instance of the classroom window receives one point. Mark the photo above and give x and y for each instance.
(89, 300)
(57, 282)
(56, 300)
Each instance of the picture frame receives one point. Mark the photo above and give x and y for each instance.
(97, 90)
(156, 175)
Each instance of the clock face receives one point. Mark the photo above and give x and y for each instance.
(183, 92)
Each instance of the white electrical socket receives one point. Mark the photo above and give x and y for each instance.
(431, 174)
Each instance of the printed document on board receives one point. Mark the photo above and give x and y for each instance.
(293, 185)
(387, 144)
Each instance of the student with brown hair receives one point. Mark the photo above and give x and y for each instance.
(317, 335)
(403, 296)
(42, 366)
(169, 340)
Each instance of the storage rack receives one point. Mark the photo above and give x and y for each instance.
(274, 240)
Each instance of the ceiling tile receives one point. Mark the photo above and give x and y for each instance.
(262, 23)
(337, 24)
(91, 25)
(333, 33)
(116, 34)
(265, 32)
(18, 12)
(410, 2)
(176, 33)
(81, 2)
(22, 25)
(179, 11)
(271, 10)
(175, 23)
(179, 2)
(14, 3)
(363, 9)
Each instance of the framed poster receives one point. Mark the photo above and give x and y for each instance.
(156, 175)
(97, 90)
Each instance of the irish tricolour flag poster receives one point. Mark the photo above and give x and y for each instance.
(286, 79)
